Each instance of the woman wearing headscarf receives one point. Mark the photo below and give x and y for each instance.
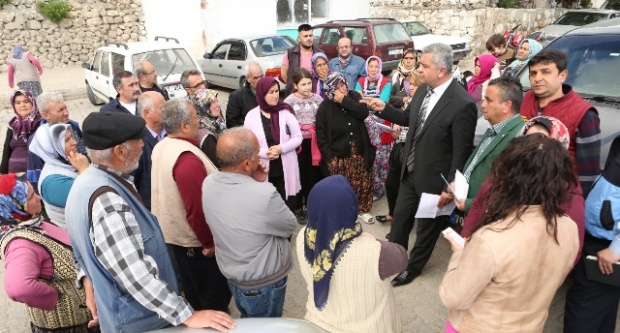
(487, 67)
(21, 127)
(575, 208)
(55, 144)
(405, 81)
(39, 270)
(346, 270)
(380, 131)
(505, 277)
(343, 140)
(212, 123)
(24, 68)
(527, 49)
(320, 71)
(278, 133)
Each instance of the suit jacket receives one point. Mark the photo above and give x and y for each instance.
(446, 140)
(483, 165)
(142, 175)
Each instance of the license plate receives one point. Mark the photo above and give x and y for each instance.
(395, 52)
(174, 87)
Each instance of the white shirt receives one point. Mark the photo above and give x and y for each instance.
(435, 96)
(157, 136)
(130, 107)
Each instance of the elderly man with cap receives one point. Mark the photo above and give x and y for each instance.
(118, 243)
(178, 169)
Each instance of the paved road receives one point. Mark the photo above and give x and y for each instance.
(419, 304)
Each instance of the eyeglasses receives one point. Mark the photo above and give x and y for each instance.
(199, 84)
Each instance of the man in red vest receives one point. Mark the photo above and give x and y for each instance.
(549, 96)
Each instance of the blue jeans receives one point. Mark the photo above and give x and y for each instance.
(267, 301)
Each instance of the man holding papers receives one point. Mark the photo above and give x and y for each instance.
(442, 120)
(500, 106)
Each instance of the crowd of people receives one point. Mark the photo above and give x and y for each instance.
(158, 212)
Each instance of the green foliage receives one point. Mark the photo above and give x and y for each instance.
(508, 4)
(586, 3)
(4, 2)
(54, 10)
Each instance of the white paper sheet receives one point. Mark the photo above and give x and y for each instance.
(461, 186)
(428, 207)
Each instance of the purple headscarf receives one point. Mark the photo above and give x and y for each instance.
(262, 88)
(24, 126)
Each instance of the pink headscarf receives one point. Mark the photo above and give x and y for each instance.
(487, 61)
(378, 78)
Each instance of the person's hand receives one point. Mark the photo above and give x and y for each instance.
(90, 302)
(445, 197)
(338, 96)
(274, 152)
(373, 103)
(497, 66)
(606, 260)
(460, 204)
(210, 252)
(219, 320)
(405, 99)
(395, 132)
(261, 172)
(78, 161)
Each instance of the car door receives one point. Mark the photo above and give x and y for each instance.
(92, 77)
(213, 68)
(106, 75)
(234, 66)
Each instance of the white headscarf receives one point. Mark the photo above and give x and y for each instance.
(49, 144)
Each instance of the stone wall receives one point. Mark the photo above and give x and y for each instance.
(472, 19)
(72, 41)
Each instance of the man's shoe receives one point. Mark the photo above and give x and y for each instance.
(404, 278)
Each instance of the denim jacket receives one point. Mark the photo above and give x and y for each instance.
(354, 68)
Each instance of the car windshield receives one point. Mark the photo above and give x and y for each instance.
(579, 18)
(416, 28)
(166, 62)
(612, 4)
(268, 46)
(390, 32)
(593, 64)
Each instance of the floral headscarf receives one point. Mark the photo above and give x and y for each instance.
(332, 224)
(331, 83)
(24, 126)
(202, 101)
(317, 82)
(403, 72)
(13, 199)
(557, 130)
(487, 61)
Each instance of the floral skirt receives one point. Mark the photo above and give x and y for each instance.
(353, 169)
(34, 87)
(380, 168)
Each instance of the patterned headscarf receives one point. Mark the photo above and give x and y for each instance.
(535, 47)
(331, 83)
(332, 224)
(18, 52)
(202, 101)
(487, 61)
(313, 63)
(49, 144)
(262, 88)
(24, 126)
(557, 130)
(403, 72)
(13, 199)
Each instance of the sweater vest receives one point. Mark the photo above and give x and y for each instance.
(70, 309)
(118, 311)
(55, 213)
(166, 201)
(569, 109)
(24, 70)
(347, 309)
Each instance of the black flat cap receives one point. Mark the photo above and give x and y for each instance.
(103, 130)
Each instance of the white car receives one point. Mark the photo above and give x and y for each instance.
(573, 19)
(170, 59)
(422, 36)
(226, 65)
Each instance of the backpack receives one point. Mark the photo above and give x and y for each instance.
(603, 203)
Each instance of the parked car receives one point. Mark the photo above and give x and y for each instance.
(383, 37)
(573, 19)
(168, 57)
(611, 4)
(226, 65)
(257, 325)
(422, 36)
(290, 32)
(593, 70)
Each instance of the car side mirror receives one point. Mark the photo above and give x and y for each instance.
(431, 30)
(86, 66)
(207, 55)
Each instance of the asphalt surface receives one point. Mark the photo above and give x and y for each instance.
(419, 305)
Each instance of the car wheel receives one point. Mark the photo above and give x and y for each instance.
(241, 81)
(94, 100)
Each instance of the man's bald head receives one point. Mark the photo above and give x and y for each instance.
(344, 47)
(236, 146)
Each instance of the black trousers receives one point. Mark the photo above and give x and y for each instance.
(392, 185)
(428, 229)
(309, 175)
(590, 306)
(204, 286)
(278, 183)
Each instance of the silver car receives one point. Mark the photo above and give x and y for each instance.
(226, 65)
(257, 325)
(573, 19)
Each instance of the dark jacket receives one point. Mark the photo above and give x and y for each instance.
(142, 175)
(240, 102)
(115, 106)
(294, 59)
(156, 88)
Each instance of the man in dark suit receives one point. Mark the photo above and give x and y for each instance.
(442, 120)
(149, 107)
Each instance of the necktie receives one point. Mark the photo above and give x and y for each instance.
(418, 128)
